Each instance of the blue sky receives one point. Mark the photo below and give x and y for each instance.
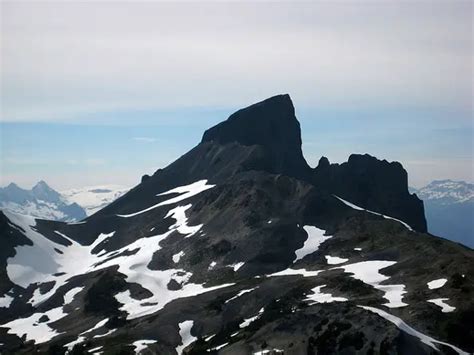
(99, 93)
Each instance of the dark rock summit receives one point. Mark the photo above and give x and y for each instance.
(364, 180)
(238, 247)
(271, 124)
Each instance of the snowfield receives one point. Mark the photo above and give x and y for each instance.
(47, 261)
(368, 272)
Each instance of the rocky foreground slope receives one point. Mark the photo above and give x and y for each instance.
(239, 247)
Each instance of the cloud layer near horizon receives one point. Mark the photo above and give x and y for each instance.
(63, 60)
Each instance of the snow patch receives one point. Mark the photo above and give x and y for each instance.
(368, 272)
(32, 329)
(185, 334)
(319, 297)
(334, 260)
(142, 344)
(237, 266)
(6, 301)
(315, 238)
(433, 285)
(177, 257)
(445, 308)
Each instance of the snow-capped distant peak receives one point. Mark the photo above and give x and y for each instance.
(41, 201)
(447, 191)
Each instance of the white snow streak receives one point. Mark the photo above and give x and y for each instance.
(217, 347)
(267, 351)
(425, 339)
(247, 321)
(186, 192)
(376, 213)
(237, 266)
(289, 271)
(243, 292)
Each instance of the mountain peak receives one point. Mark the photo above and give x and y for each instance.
(271, 124)
(12, 185)
(41, 185)
(42, 191)
(261, 123)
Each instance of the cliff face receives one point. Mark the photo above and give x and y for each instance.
(373, 184)
(271, 124)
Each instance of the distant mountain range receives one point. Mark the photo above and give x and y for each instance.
(449, 209)
(41, 201)
(68, 206)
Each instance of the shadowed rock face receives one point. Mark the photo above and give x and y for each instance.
(364, 180)
(271, 124)
(245, 260)
(373, 184)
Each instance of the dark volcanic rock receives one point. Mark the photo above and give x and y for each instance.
(373, 184)
(271, 124)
